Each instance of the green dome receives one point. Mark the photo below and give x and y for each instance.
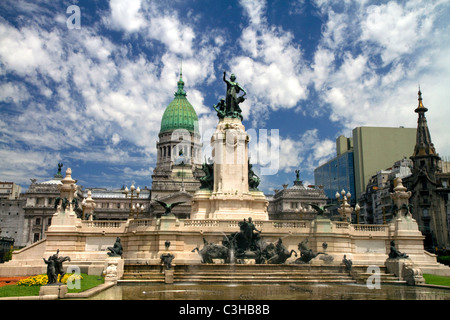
(179, 114)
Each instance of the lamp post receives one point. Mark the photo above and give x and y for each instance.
(345, 208)
(134, 194)
(357, 209)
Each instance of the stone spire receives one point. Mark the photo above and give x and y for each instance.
(424, 146)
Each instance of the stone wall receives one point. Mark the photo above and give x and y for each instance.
(144, 240)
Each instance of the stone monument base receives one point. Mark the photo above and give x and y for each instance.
(405, 270)
(59, 290)
(225, 206)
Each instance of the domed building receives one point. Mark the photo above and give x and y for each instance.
(294, 203)
(178, 165)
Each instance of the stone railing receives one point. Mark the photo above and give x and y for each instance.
(142, 223)
(212, 225)
(233, 225)
(373, 229)
(109, 226)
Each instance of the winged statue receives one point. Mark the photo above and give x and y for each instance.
(168, 207)
(320, 209)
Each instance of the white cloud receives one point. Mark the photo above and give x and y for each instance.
(395, 28)
(126, 15)
(269, 67)
(20, 165)
(15, 92)
(371, 59)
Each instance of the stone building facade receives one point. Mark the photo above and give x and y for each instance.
(178, 165)
(294, 203)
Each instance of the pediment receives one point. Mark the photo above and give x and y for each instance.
(179, 196)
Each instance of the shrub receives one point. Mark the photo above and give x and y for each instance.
(444, 260)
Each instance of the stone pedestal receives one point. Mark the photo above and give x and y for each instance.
(231, 197)
(113, 269)
(405, 270)
(167, 222)
(59, 290)
(168, 276)
(65, 219)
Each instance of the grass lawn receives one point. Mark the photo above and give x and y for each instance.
(88, 282)
(439, 280)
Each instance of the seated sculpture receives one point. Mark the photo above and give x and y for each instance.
(347, 262)
(116, 250)
(167, 259)
(395, 254)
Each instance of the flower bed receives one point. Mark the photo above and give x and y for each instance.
(42, 279)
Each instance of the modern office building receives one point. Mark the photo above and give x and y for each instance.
(359, 158)
(338, 173)
(377, 148)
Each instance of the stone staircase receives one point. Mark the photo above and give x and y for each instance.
(239, 273)
(360, 274)
(143, 273)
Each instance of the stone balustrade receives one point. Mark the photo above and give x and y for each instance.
(231, 226)
(103, 226)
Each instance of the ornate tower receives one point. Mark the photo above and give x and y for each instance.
(179, 154)
(428, 205)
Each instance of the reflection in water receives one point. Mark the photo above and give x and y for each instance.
(271, 292)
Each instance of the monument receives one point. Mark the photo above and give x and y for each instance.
(229, 188)
(228, 222)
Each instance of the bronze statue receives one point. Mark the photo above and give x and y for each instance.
(232, 100)
(253, 179)
(168, 207)
(55, 268)
(347, 262)
(167, 259)
(207, 181)
(395, 254)
(51, 270)
(306, 254)
(212, 251)
(281, 254)
(320, 209)
(116, 250)
(220, 108)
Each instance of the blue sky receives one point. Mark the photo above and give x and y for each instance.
(93, 97)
